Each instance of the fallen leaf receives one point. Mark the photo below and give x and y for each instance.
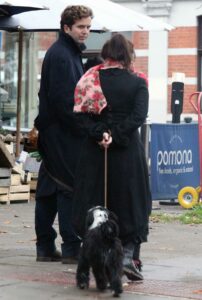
(197, 292)
(7, 222)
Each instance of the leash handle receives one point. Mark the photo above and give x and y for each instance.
(105, 178)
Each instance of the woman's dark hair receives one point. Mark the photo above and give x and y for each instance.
(131, 48)
(73, 13)
(118, 49)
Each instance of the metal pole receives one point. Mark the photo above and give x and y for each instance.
(144, 133)
(19, 92)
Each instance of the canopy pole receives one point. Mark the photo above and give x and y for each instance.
(19, 93)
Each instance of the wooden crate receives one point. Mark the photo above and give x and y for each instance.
(17, 168)
(16, 193)
(10, 147)
(5, 177)
(6, 159)
(19, 192)
(4, 192)
(15, 179)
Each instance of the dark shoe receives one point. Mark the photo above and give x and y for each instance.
(70, 260)
(132, 272)
(55, 256)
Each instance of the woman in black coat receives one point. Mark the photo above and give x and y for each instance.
(112, 103)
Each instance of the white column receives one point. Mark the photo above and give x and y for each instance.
(158, 76)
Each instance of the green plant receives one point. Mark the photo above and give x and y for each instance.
(192, 216)
(163, 217)
(36, 155)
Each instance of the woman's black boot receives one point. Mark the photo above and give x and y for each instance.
(136, 256)
(129, 268)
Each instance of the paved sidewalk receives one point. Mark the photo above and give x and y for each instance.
(172, 262)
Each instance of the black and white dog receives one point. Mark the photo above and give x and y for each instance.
(102, 251)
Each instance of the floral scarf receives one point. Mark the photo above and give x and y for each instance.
(88, 95)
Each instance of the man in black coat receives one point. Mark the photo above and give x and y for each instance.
(58, 141)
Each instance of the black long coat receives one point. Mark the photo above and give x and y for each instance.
(128, 182)
(59, 145)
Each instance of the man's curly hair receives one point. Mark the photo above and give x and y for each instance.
(73, 13)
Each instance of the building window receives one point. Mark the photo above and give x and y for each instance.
(34, 49)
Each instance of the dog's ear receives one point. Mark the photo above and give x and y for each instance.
(113, 216)
(109, 230)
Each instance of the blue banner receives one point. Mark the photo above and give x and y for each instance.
(174, 156)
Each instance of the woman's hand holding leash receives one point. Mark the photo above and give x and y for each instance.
(106, 141)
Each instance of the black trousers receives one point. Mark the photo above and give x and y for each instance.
(46, 210)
